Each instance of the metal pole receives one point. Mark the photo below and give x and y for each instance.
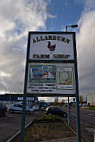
(10, 97)
(66, 28)
(68, 112)
(72, 26)
(24, 97)
(78, 119)
(23, 119)
(77, 96)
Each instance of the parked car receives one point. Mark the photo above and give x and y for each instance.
(35, 107)
(55, 111)
(44, 108)
(7, 104)
(17, 108)
(3, 109)
(43, 104)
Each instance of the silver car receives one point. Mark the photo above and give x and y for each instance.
(17, 108)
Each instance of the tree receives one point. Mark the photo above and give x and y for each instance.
(80, 99)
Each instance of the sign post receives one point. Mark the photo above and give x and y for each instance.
(24, 97)
(68, 112)
(77, 98)
(51, 67)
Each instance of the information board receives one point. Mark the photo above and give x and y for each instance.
(51, 67)
(51, 78)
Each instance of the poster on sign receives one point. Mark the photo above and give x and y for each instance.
(42, 73)
(51, 78)
(65, 78)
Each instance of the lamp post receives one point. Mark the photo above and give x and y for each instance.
(72, 26)
(77, 93)
(10, 96)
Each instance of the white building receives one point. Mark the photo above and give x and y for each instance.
(91, 99)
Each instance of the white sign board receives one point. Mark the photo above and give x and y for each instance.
(27, 98)
(50, 46)
(51, 78)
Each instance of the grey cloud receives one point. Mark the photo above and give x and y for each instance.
(86, 53)
(12, 64)
(17, 18)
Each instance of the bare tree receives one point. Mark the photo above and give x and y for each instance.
(81, 99)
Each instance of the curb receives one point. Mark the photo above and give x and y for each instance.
(70, 128)
(14, 136)
(18, 133)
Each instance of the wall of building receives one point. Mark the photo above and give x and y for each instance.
(18, 97)
(91, 99)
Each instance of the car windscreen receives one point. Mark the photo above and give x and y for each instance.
(17, 105)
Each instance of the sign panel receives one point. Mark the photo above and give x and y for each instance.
(50, 46)
(65, 77)
(51, 78)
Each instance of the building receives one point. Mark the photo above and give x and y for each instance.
(91, 99)
(9, 97)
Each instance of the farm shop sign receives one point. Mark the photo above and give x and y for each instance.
(44, 46)
(49, 37)
(47, 56)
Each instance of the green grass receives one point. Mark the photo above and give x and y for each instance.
(92, 107)
(49, 117)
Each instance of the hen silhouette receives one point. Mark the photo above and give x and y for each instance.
(51, 47)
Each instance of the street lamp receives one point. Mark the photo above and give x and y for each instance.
(77, 92)
(72, 26)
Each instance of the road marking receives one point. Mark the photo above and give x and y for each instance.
(90, 129)
(91, 114)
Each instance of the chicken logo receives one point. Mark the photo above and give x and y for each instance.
(51, 47)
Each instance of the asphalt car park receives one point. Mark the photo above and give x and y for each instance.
(11, 123)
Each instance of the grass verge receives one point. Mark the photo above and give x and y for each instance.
(92, 107)
(46, 128)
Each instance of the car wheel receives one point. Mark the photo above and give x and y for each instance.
(11, 110)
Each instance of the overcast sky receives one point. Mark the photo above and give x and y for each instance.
(17, 17)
